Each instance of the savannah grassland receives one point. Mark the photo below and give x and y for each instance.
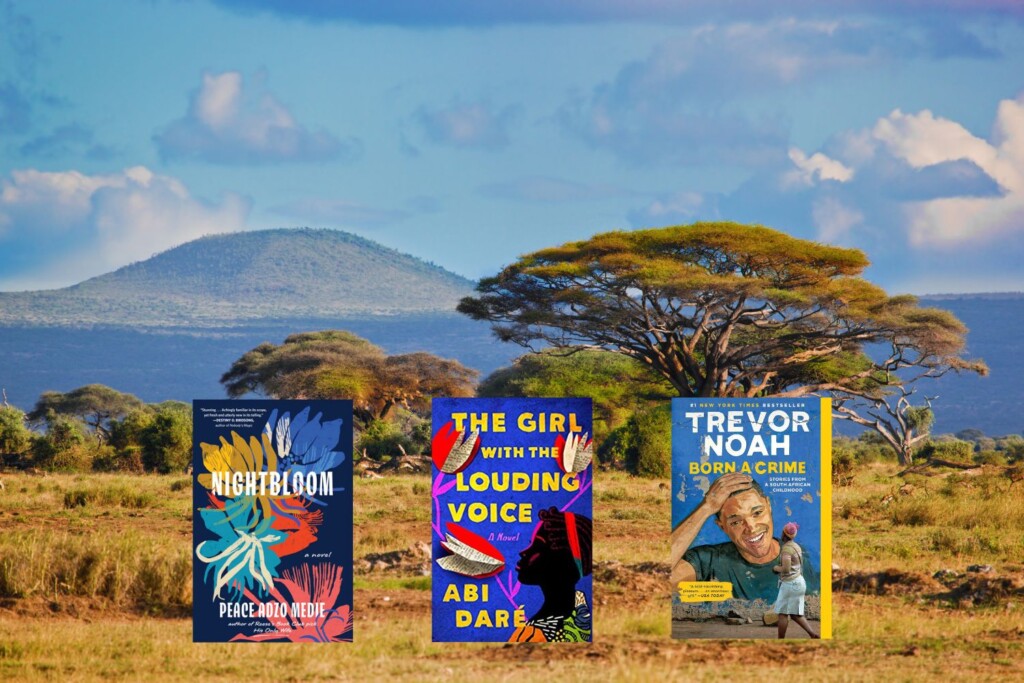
(95, 583)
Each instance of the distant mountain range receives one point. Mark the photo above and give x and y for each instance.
(223, 280)
(168, 327)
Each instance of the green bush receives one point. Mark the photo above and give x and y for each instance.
(127, 433)
(15, 437)
(652, 455)
(615, 450)
(1012, 447)
(167, 442)
(128, 460)
(953, 450)
(990, 458)
(381, 439)
(843, 462)
(63, 448)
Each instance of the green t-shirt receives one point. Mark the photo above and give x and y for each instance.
(722, 562)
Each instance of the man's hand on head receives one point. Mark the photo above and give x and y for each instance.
(723, 487)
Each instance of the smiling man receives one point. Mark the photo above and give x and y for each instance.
(743, 511)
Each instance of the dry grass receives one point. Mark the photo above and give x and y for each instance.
(947, 520)
(111, 563)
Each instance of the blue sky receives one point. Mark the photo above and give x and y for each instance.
(473, 132)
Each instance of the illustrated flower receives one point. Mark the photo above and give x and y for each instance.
(299, 524)
(451, 450)
(242, 457)
(319, 584)
(471, 555)
(239, 557)
(575, 452)
(237, 456)
(304, 445)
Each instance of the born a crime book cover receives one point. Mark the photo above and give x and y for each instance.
(511, 521)
(746, 475)
(272, 521)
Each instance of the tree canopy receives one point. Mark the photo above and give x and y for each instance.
(338, 364)
(718, 309)
(96, 404)
(618, 385)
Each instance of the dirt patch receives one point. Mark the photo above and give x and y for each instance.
(718, 628)
(671, 654)
(945, 586)
(889, 582)
(615, 582)
(84, 608)
(413, 560)
(983, 591)
(406, 464)
(385, 604)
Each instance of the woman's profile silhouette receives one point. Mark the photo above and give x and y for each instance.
(559, 555)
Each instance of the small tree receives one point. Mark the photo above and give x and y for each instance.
(338, 364)
(924, 344)
(62, 448)
(95, 404)
(652, 455)
(167, 441)
(15, 436)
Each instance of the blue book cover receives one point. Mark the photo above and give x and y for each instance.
(272, 521)
(751, 517)
(511, 523)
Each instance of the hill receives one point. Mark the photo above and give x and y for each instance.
(221, 280)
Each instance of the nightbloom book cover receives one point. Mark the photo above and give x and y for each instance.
(272, 521)
(512, 530)
(751, 518)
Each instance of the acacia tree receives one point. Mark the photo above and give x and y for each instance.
(718, 309)
(928, 348)
(338, 364)
(96, 404)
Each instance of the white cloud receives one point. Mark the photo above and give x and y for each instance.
(228, 123)
(91, 224)
(960, 190)
(815, 168)
(925, 140)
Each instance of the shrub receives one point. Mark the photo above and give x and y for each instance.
(116, 495)
(127, 433)
(127, 461)
(382, 438)
(953, 450)
(15, 437)
(990, 458)
(615, 450)
(652, 456)
(167, 442)
(842, 466)
(63, 447)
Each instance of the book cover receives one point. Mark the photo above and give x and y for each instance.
(751, 518)
(511, 522)
(272, 521)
